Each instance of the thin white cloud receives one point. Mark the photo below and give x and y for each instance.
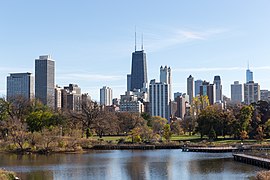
(174, 37)
(207, 69)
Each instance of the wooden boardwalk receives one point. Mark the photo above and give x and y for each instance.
(210, 149)
(253, 160)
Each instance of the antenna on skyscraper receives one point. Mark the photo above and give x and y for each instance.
(248, 64)
(142, 41)
(135, 39)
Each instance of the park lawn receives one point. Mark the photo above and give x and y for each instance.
(109, 138)
(185, 137)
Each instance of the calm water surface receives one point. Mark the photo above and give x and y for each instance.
(157, 164)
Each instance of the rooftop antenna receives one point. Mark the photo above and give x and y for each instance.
(248, 64)
(135, 39)
(142, 41)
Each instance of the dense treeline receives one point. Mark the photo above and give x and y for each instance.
(238, 121)
(29, 124)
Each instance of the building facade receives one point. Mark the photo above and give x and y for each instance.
(251, 92)
(198, 83)
(106, 96)
(131, 103)
(236, 92)
(207, 89)
(45, 80)
(20, 84)
(159, 99)
(72, 97)
(265, 95)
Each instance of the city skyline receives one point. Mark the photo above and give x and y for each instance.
(203, 39)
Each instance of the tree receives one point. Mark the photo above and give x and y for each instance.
(107, 123)
(37, 120)
(90, 113)
(129, 121)
(242, 120)
(176, 127)
(207, 120)
(197, 105)
(158, 123)
(167, 132)
(260, 134)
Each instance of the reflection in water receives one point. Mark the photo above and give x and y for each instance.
(157, 164)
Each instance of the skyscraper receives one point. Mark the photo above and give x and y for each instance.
(217, 82)
(159, 99)
(44, 80)
(20, 84)
(138, 70)
(236, 92)
(166, 77)
(198, 83)
(207, 89)
(105, 96)
(249, 75)
(251, 92)
(190, 88)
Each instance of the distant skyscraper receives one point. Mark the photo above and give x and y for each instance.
(106, 96)
(236, 92)
(44, 80)
(207, 89)
(265, 95)
(138, 70)
(20, 84)
(198, 83)
(166, 77)
(251, 92)
(249, 75)
(190, 88)
(181, 106)
(73, 97)
(217, 82)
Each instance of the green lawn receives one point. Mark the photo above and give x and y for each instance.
(184, 137)
(109, 138)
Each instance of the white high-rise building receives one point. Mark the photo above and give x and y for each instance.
(251, 92)
(20, 84)
(159, 99)
(106, 96)
(166, 77)
(58, 97)
(236, 92)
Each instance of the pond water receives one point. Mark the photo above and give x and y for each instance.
(128, 164)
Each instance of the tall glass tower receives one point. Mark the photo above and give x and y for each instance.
(44, 80)
(138, 70)
(249, 75)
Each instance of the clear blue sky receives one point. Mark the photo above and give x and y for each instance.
(92, 41)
